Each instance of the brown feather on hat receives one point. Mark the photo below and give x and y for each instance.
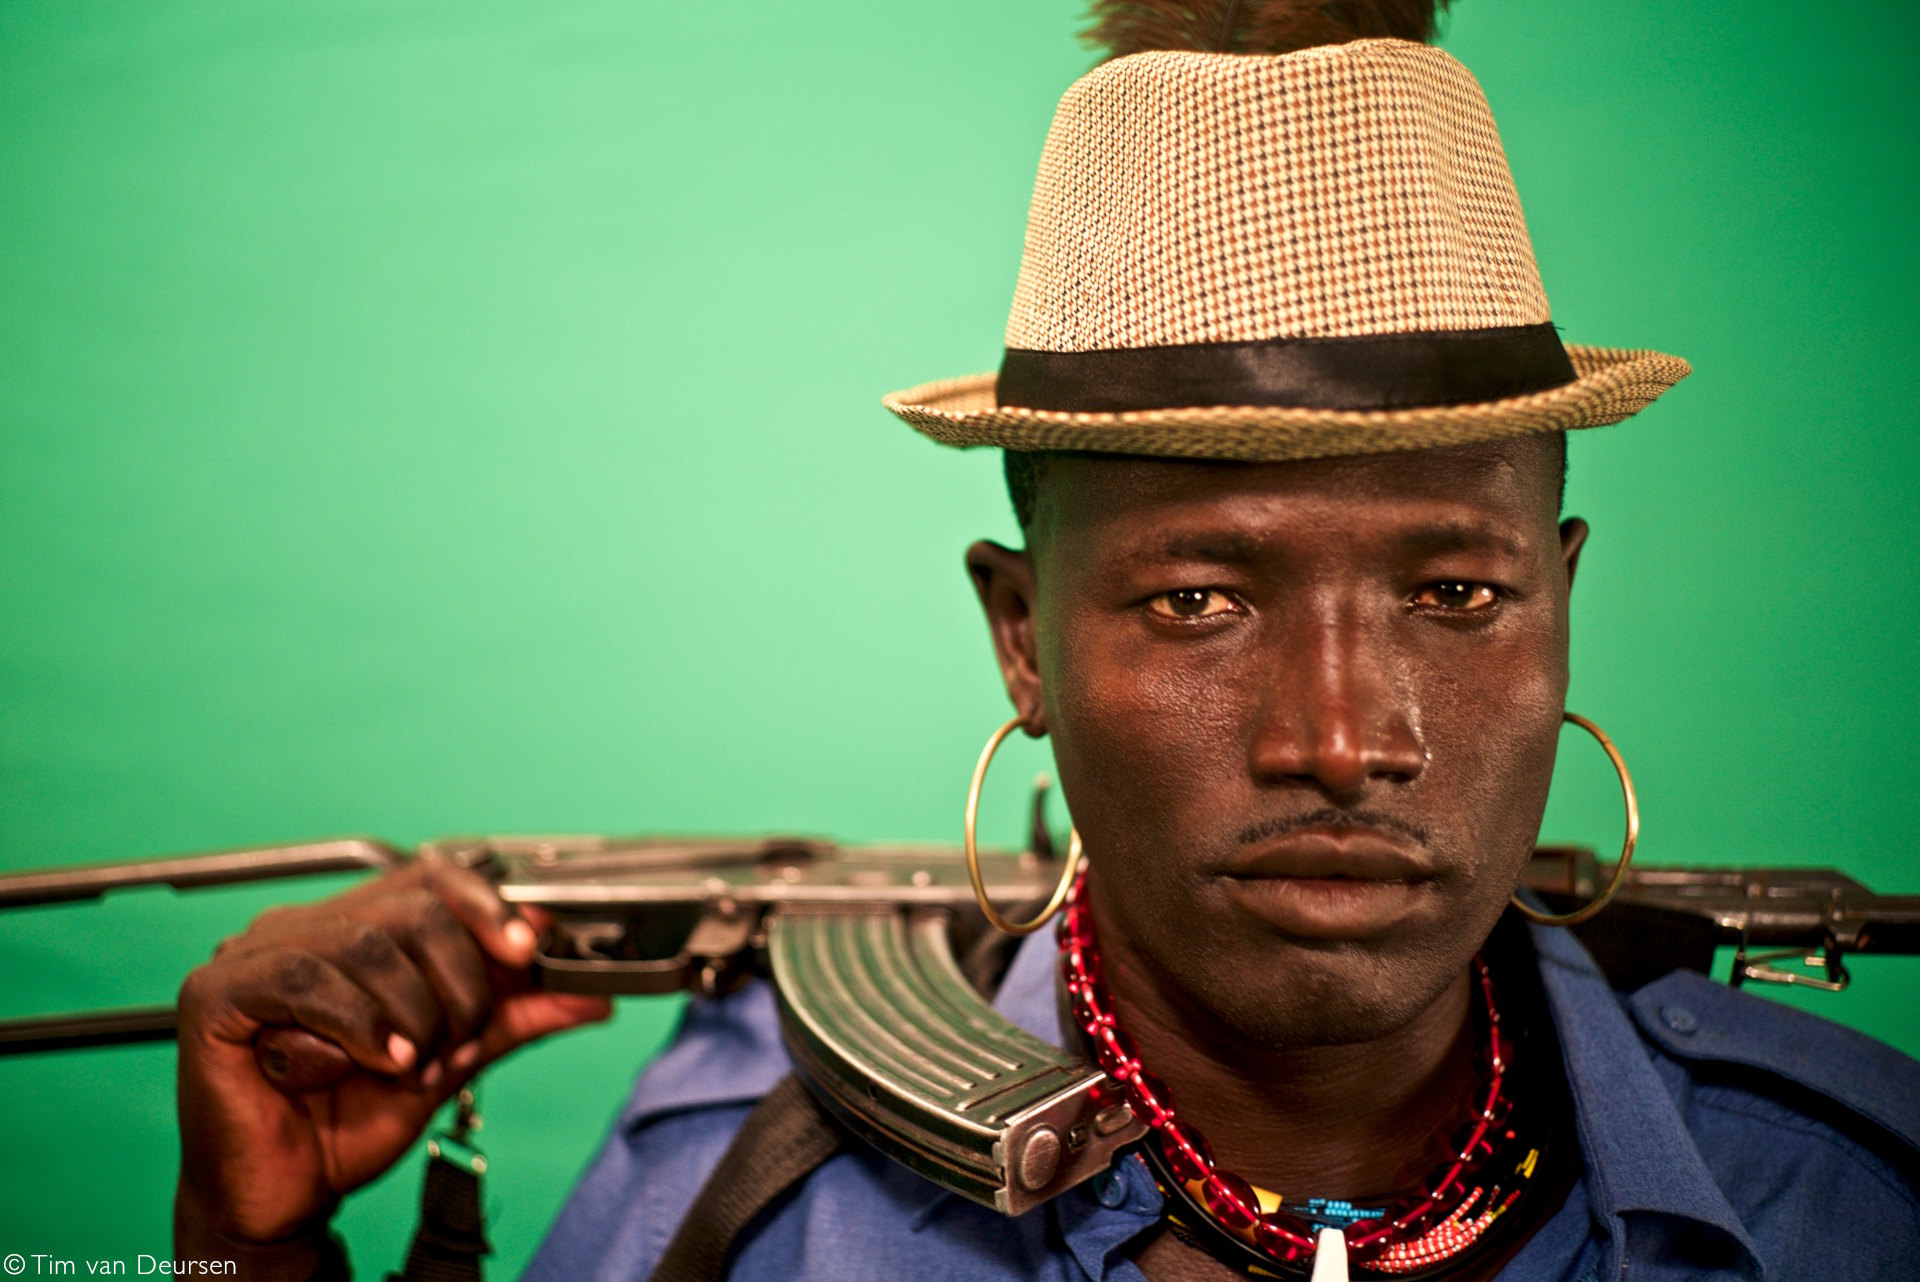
(1277, 255)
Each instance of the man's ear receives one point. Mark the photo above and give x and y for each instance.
(1573, 537)
(1006, 584)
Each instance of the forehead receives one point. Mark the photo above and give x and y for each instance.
(1508, 488)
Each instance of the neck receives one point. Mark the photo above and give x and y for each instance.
(1308, 1121)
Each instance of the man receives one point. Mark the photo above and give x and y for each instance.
(1284, 411)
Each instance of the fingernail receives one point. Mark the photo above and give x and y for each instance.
(401, 1051)
(430, 1077)
(463, 1058)
(520, 935)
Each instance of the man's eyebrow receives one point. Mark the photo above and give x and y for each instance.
(1235, 546)
(1458, 536)
(1210, 545)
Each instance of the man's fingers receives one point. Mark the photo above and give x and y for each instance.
(404, 973)
(451, 960)
(295, 1060)
(525, 1018)
(369, 955)
(291, 988)
(501, 932)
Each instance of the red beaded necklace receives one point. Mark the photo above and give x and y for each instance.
(1408, 1233)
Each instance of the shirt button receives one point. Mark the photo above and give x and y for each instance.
(1109, 1189)
(1679, 1019)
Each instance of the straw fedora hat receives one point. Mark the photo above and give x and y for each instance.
(1278, 256)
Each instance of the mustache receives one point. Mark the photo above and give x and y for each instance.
(1329, 817)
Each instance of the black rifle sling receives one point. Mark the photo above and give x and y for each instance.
(452, 1235)
(784, 1140)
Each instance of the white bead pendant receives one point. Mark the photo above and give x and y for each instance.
(1330, 1257)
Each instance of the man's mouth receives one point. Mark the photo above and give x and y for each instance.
(1334, 852)
(1331, 880)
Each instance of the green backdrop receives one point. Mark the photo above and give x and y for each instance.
(421, 417)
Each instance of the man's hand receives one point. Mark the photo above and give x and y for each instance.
(391, 996)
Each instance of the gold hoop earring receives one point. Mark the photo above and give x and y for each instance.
(1626, 849)
(973, 849)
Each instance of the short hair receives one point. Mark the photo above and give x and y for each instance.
(1026, 468)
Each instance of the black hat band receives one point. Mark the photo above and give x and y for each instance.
(1362, 372)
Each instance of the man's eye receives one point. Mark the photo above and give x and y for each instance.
(1190, 603)
(1456, 595)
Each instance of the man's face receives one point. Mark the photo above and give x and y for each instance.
(1304, 715)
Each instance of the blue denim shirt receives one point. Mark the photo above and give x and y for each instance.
(1723, 1136)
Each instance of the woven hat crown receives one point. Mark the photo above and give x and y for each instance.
(1204, 198)
(1279, 256)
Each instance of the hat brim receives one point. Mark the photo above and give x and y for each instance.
(1610, 384)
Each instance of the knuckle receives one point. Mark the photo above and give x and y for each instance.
(436, 920)
(300, 973)
(368, 945)
(194, 990)
(209, 996)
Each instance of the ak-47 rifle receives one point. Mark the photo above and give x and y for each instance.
(860, 943)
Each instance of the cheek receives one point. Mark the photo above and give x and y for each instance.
(1147, 748)
(1490, 726)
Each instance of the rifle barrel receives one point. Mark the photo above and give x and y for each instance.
(184, 872)
(77, 1032)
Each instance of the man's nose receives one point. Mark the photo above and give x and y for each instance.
(1335, 715)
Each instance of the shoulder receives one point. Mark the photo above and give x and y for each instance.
(1812, 1130)
(683, 1114)
(1729, 1035)
(726, 1052)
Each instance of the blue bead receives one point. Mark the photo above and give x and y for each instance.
(1337, 1212)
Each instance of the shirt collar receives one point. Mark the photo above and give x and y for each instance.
(1639, 1154)
(1027, 994)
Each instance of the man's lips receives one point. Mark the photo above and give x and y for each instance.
(1364, 854)
(1331, 882)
